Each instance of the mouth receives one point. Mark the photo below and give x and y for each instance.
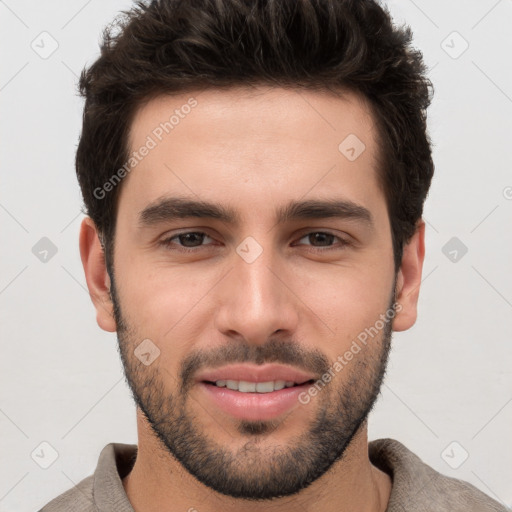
(244, 386)
(254, 393)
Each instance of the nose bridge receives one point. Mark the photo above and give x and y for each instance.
(257, 281)
(255, 303)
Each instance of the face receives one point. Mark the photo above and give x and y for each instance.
(253, 251)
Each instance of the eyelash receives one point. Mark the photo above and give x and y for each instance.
(167, 243)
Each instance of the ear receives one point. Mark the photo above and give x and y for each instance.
(96, 275)
(409, 280)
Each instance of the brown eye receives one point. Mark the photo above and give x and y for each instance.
(319, 239)
(187, 241)
(192, 239)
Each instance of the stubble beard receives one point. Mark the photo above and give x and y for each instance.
(259, 469)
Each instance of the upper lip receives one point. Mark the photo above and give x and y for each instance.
(255, 373)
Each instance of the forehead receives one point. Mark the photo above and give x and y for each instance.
(262, 111)
(273, 142)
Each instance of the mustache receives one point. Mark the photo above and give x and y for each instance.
(274, 351)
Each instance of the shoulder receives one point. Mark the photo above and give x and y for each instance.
(104, 489)
(76, 499)
(420, 488)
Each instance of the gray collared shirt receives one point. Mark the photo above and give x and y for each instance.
(416, 486)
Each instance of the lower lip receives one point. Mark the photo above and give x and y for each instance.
(254, 406)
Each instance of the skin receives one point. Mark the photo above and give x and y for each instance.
(253, 151)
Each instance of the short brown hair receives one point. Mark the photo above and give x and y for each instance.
(174, 46)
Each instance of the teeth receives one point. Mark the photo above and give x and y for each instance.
(232, 384)
(247, 387)
(254, 387)
(279, 384)
(265, 387)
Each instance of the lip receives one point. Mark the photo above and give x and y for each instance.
(253, 406)
(255, 373)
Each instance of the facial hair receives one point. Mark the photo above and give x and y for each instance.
(256, 471)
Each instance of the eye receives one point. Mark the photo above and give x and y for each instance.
(191, 241)
(186, 241)
(324, 239)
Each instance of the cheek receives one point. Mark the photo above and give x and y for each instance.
(345, 302)
(163, 305)
(158, 295)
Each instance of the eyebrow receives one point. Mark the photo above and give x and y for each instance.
(172, 208)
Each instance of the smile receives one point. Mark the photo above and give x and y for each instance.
(255, 387)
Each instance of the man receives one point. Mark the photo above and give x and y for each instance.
(254, 175)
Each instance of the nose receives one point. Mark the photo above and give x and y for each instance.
(256, 300)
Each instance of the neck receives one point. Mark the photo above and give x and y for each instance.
(158, 482)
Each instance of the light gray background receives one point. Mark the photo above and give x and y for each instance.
(450, 376)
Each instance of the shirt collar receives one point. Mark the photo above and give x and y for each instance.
(404, 467)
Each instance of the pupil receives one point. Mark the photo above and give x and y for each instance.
(321, 237)
(189, 237)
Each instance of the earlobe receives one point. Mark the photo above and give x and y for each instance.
(409, 280)
(96, 275)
